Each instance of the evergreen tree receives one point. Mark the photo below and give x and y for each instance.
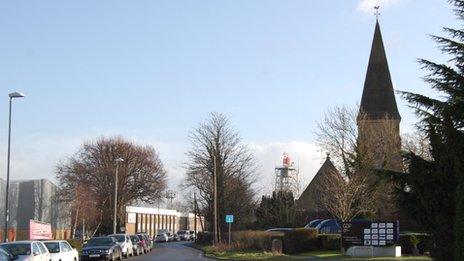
(433, 192)
(278, 210)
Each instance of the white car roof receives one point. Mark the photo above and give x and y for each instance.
(20, 241)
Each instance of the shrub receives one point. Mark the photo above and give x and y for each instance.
(406, 242)
(204, 238)
(300, 240)
(253, 240)
(329, 242)
(76, 243)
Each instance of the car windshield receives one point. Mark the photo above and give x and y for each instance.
(100, 241)
(120, 238)
(53, 247)
(160, 235)
(18, 249)
(134, 238)
(181, 232)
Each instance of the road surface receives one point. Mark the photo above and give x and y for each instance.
(172, 251)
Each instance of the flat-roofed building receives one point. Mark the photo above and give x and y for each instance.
(150, 220)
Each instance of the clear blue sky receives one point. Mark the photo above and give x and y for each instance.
(152, 70)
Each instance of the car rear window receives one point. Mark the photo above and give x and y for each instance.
(53, 247)
(18, 249)
(100, 241)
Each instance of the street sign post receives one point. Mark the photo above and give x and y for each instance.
(229, 220)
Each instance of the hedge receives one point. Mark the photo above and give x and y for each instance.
(407, 246)
(253, 240)
(204, 238)
(329, 242)
(300, 240)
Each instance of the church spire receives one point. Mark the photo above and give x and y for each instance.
(378, 98)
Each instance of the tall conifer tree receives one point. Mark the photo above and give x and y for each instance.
(443, 121)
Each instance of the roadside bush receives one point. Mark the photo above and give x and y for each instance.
(329, 242)
(300, 240)
(406, 243)
(76, 243)
(253, 240)
(204, 238)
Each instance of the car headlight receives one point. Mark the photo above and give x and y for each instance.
(85, 252)
(107, 251)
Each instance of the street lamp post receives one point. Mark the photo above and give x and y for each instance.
(7, 212)
(118, 160)
(216, 236)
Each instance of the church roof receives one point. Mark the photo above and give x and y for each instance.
(378, 98)
(307, 200)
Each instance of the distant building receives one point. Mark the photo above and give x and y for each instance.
(33, 200)
(151, 220)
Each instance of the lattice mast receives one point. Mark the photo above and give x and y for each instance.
(286, 176)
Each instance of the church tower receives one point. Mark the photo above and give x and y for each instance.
(378, 117)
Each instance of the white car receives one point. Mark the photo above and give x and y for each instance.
(161, 238)
(27, 250)
(60, 250)
(126, 244)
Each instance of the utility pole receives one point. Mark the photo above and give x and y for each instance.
(195, 214)
(215, 241)
(118, 160)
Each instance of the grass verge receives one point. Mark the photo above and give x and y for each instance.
(336, 255)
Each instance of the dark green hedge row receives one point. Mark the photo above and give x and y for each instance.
(300, 240)
(406, 242)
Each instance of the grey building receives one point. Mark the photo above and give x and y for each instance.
(34, 200)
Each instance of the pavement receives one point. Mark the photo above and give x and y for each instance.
(172, 251)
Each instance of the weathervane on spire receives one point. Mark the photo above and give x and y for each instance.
(377, 12)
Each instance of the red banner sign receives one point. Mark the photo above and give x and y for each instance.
(39, 230)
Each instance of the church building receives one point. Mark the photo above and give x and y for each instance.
(378, 127)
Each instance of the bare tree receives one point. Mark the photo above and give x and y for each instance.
(345, 198)
(87, 179)
(356, 189)
(417, 143)
(216, 144)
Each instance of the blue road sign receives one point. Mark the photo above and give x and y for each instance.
(229, 218)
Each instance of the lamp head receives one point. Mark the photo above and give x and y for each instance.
(16, 95)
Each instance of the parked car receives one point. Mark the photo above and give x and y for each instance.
(175, 237)
(60, 250)
(106, 248)
(5, 255)
(314, 223)
(146, 242)
(183, 234)
(27, 250)
(137, 245)
(162, 238)
(193, 236)
(329, 226)
(170, 236)
(281, 229)
(126, 244)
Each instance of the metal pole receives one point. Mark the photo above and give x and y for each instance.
(215, 203)
(115, 197)
(195, 214)
(7, 211)
(230, 225)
